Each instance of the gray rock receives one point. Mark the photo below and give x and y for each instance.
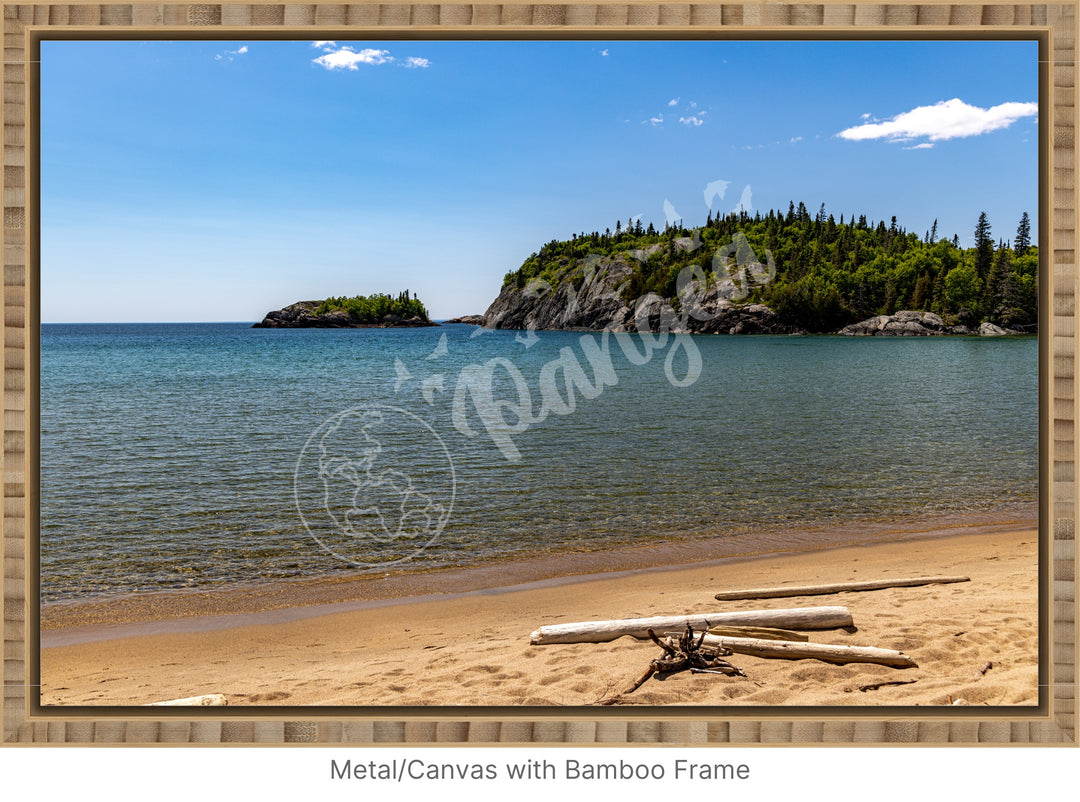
(906, 323)
(988, 329)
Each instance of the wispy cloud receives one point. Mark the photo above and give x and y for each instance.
(604, 52)
(230, 55)
(795, 139)
(947, 119)
(345, 57)
(921, 146)
(692, 119)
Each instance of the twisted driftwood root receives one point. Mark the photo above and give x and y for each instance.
(685, 655)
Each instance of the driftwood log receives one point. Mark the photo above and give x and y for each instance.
(765, 633)
(836, 587)
(828, 653)
(211, 699)
(601, 631)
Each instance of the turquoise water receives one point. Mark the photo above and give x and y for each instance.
(189, 455)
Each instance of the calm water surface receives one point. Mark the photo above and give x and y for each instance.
(189, 455)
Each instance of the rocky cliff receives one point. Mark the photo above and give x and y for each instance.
(590, 298)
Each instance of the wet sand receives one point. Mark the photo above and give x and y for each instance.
(462, 638)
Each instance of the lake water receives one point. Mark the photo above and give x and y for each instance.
(201, 455)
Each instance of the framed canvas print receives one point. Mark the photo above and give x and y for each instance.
(532, 374)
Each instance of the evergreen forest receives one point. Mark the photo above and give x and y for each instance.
(829, 273)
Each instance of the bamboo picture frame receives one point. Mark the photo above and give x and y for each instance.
(1052, 722)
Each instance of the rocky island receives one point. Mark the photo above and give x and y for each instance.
(358, 312)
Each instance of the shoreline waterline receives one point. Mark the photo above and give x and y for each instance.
(278, 601)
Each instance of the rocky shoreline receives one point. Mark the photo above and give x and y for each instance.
(562, 310)
(595, 305)
(301, 315)
(910, 323)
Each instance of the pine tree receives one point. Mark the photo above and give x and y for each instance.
(933, 232)
(1000, 288)
(996, 278)
(1023, 236)
(984, 249)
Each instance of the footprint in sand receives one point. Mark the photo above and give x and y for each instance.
(485, 668)
(273, 696)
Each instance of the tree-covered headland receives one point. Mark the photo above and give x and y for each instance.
(828, 273)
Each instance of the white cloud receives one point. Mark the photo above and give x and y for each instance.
(603, 52)
(694, 119)
(864, 116)
(795, 139)
(346, 58)
(230, 55)
(921, 146)
(946, 119)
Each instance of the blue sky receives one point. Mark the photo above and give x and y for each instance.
(214, 181)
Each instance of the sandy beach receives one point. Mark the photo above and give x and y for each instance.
(472, 648)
